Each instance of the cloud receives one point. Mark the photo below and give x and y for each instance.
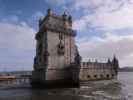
(34, 19)
(82, 23)
(127, 60)
(17, 45)
(17, 35)
(106, 17)
(101, 5)
(104, 47)
(56, 2)
(11, 19)
(37, 15)
(113, 18)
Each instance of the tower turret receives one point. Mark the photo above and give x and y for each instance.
(70, 20)
(115, 63)
(49, 12)
(40, 21)
(109, 62)
(64, 16)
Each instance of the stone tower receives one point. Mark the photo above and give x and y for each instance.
(57, 60)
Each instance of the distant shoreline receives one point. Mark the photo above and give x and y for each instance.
(126, 69)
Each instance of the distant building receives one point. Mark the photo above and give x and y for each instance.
(57, 60)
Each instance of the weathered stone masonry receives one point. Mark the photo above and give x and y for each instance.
(55, 51)
(98, 71)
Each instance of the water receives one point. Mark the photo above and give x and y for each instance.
(101, 90)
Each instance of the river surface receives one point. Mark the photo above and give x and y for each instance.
(122, 89)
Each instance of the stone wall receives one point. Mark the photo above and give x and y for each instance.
(96, 71)
(56, 61)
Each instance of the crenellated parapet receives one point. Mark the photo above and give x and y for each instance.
(99, 70)
(114, 64)
(96, 65)
(60, 23)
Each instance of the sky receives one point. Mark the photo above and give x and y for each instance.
(104, 29)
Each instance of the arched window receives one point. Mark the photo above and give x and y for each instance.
(107, 75)
(61, 48)
(95, 76)
(112, 75)
(89, 76)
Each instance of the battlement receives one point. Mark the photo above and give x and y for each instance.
(101, 65)
(63, 17)
(96, 65)
(57, 23)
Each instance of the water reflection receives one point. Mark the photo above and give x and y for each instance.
(53, 94)
(110, 91)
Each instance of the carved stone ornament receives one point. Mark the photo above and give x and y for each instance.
(61, 48)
